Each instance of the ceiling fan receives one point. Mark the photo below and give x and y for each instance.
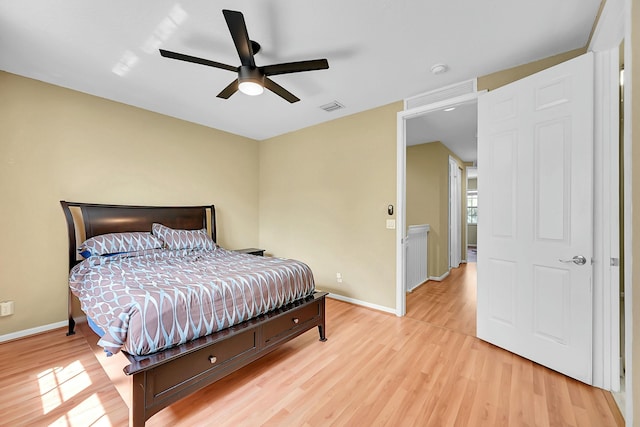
(251, 79)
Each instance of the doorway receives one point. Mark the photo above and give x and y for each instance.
(440, 145)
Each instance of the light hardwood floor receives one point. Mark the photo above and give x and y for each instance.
(375, 369)
(450, 303)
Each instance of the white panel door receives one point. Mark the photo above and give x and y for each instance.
(535, 227)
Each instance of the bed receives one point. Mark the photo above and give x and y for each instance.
(171, 365)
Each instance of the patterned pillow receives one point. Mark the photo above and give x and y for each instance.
(183, 239)
(115, 243)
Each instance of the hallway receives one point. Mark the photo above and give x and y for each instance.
(450, 303)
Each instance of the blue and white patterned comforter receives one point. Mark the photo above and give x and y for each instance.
(152, 300)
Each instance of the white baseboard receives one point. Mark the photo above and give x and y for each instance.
(362, 303)
(418, 285)
(439, 278)
(39, 329)
(33, 331)
(434, 278)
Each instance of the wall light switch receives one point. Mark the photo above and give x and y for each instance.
(391, 224)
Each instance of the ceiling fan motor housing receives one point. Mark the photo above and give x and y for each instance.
(247, 73)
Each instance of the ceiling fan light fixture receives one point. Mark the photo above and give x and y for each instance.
(250, 80)
(250, 88)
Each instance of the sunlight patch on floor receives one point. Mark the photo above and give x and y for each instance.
(57, 385)
(61, 384)
(89, 412)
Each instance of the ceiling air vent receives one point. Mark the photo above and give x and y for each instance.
(332, 106)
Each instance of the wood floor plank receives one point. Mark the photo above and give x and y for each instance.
(52, 379)
(376, 369)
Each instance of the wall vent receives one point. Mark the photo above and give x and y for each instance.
(332, 106)
(447, 92)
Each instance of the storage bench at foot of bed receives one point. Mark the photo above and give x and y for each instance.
(164, 378)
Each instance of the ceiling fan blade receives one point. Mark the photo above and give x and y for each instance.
(295, 67)
(229, 90)
(238, 30)
(279, 90)
(188, 58)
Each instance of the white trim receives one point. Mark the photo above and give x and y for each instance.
(455, 213)
(609, 31)
(416, 286)
(442, 93)
(612, 231)
(614, 26)
(401, 218)
(419, 111)
(361, 303)
(431, 278)
(606, 314)
(401, 187)
(439, 278)
(628, 218)
(33, 331)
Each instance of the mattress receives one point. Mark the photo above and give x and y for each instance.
(151, 300)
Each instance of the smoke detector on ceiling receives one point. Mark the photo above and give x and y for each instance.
(439, 69)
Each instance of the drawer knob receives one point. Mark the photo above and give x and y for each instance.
(213, 359)
(296, 320)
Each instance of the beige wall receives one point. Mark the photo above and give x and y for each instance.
(503, 77)
(59, 144)
(428, 199)
(324, 192)
(472, 234)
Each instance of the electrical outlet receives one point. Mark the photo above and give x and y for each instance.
(6, 308)
(339, 277)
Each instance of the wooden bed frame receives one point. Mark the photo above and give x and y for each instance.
(160, 379)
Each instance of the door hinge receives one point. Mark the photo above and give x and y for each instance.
(615, 262)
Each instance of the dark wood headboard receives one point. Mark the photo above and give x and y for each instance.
(96, 219)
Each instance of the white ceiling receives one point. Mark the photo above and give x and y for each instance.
(379, 51)
(457, 129)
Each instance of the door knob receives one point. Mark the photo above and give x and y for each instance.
(578, 259)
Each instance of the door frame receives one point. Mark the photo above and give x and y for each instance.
(606, 284)
(455, 214)
(612, 28)
(401, 186)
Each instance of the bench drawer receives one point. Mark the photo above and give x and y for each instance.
(287, 324)
(203, 362)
